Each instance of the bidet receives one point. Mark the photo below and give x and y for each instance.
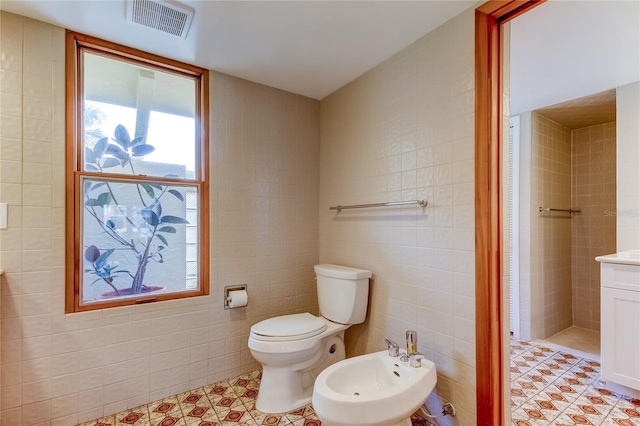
(372, 390)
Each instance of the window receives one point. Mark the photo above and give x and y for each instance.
(137, 177)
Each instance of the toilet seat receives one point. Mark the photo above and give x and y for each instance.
(288, 327)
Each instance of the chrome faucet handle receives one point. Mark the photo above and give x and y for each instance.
(415, 360)
(392, 347)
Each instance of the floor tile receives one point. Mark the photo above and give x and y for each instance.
(555, 388)
(549, 388)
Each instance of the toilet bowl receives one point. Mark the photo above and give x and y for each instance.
(289, 367)
(294, 349)
(372, 390)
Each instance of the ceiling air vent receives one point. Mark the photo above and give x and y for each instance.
(166, 16)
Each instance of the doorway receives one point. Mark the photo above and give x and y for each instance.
(557, 207)
(492, 320)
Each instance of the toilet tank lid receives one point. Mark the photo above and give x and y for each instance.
(344, 272)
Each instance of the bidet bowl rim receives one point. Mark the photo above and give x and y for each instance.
(417, 375)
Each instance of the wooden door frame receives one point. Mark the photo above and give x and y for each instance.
(488, 204)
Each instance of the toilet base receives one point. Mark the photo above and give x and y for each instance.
(283, 392)
(284, 388)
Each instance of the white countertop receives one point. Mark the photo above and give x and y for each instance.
(627, 257)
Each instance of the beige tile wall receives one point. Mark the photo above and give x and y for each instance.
(506, 123)
(550, 286)
(402, 131)
(593, 231)
(61, 369)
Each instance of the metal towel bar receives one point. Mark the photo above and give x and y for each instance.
(423, 203)
(549, 209)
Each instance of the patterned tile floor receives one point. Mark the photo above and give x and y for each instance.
(227, 403)
(553, 388)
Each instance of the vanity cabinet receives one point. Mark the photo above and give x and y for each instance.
(620, 321)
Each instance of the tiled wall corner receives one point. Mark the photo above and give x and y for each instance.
(267, 165)
(63, 369)
(593, 231)
(402, 131)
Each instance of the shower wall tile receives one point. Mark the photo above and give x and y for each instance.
(404, 130)
(593, 231)
(550, 289)
(65, 369)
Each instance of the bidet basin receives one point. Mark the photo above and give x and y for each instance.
(371, 390)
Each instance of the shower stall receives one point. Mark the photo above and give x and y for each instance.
(562, 214)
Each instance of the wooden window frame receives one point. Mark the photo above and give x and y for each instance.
(489, 18)
(76, 44)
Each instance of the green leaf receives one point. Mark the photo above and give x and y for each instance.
(92, 253)
(100, 148)
(176, 193)
(89, 156)
(167, 229)
(150, 217)
(110, 162)
(148, 189)
(92, 202)
(173, 219)
(157, 186)
(141, 150)
(122, 136)
(163, 239)
(104, 199)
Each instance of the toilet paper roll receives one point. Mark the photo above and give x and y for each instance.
(238, 298)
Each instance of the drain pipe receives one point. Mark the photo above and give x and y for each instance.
(447, 410)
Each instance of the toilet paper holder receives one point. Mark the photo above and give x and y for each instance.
(229, 289)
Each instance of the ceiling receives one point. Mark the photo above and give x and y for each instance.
(582, 112)
(564, 50)
(561, 50)
(310, 48)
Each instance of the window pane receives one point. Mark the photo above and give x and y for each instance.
(134, 240)
(137, 120)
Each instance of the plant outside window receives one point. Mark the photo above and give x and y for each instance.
(139, 188)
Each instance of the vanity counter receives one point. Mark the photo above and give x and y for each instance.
(628, 257)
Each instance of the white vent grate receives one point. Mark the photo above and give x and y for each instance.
(166, 16)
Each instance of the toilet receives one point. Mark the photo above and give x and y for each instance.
(294, 349)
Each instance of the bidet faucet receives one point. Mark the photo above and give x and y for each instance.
(392, 347)
(412, 342)
(415, 359)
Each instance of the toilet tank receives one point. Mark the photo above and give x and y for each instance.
(343, 293)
